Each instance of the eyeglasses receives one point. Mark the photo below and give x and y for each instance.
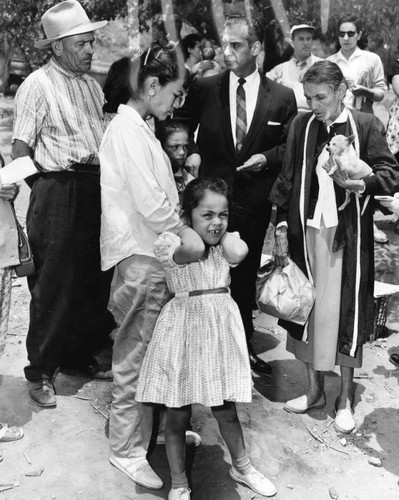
(350, 34)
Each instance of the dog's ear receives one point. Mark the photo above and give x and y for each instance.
(350, 138)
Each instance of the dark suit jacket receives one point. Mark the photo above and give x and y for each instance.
(207, 105)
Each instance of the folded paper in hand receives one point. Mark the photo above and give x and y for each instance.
(285, 293)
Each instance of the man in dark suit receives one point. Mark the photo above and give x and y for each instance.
(243, 120)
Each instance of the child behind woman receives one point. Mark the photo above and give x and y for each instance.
(198, 351)
(174, 138)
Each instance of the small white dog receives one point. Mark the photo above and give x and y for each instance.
(344, 158)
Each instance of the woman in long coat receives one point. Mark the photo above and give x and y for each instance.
(334, 248)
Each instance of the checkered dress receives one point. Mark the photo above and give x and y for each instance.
(198, 352)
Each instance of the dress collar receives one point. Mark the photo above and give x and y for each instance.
(57, 66)
(250, 79)
(342, 118)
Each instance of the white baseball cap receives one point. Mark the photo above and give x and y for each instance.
(297, 27)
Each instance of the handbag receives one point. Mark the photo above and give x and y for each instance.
(26, 266)
(285, 293)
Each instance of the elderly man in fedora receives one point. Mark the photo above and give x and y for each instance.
(59, 122)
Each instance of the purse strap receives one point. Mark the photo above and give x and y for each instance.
(17, 223)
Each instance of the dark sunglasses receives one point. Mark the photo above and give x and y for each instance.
(350, 34)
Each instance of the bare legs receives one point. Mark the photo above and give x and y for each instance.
(345, 399)
(315, 384)
(230, 429)
(178, 420)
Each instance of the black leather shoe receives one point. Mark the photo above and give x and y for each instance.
(42, 393)
(258, 365)
(394, 358)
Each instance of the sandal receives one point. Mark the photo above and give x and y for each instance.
(8, 434)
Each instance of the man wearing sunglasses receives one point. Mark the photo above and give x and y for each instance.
(362, 69)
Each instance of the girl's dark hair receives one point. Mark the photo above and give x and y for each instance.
(351, 18)
(324, 72)
(169, 127)
(195, 192)
(165, 63)
(117, 85)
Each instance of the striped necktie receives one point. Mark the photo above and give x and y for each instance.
(241, 121)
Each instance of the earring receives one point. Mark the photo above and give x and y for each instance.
(151, 93)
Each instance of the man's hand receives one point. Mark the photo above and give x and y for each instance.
(353, 185)
(9, 192)
(193, 164)
(254, 164)
(360, 90)
(280, 250)
(392, 205)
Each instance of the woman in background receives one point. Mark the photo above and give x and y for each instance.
(364, 73)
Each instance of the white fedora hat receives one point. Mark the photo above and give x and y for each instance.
(65, 19)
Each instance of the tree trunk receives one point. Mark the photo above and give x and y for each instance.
(133, 25)
(8, 50)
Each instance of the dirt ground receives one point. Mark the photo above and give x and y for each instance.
(64, 453)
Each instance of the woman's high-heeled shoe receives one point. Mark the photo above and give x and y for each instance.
(300, 405)
(344, 421)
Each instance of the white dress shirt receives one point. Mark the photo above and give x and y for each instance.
(139, 200)
(290, 74)
(251, 87)
(59, 115)
(362, 68)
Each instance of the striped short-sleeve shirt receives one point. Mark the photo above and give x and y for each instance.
(59, 115)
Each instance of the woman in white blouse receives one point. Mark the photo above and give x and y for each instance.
(139, 201)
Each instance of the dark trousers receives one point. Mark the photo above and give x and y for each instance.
(252, 226)
(69, 320)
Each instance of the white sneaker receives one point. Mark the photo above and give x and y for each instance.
(139, 471)
(254, 480)
(179, 494)
(192, 438)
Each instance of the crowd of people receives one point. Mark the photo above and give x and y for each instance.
(150, 200)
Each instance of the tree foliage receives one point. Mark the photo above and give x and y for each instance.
(20, 20)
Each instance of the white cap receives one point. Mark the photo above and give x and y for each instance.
(301, 27)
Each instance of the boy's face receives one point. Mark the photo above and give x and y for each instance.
(176, 147)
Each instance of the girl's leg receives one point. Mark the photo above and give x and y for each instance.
(177, 421)
(242, 471)
(230, 429)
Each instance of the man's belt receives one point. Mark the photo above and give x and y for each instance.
(84, 168)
